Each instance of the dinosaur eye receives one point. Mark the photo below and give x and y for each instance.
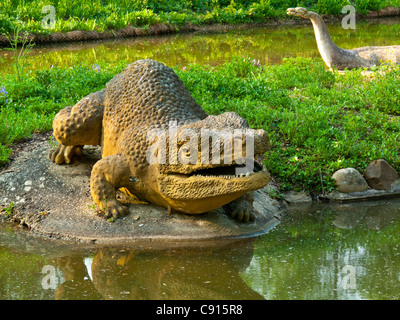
(186, 151)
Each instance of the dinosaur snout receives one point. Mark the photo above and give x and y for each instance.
(261, 142)
(254, 141)
(298, 12)
(291, 11)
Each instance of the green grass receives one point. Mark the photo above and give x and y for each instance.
(30, 105)
(318, 121)
(114, 14)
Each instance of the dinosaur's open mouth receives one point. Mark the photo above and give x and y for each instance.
(229, 171)
(219, 184)
(223, 171)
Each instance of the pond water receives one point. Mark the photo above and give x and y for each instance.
(319, 252)
(268, 45)
(323, 251)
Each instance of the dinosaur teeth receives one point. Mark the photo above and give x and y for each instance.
(228, 176)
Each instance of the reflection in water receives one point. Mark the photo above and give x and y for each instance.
(76, 282)
(314, 253)
(268, 45)
(309, 255)
(325, 251)
(374, 216)
(209, 273)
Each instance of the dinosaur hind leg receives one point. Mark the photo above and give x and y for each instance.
(77, 126)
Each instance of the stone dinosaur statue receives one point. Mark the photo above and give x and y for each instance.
(341, 58)
(150, 130)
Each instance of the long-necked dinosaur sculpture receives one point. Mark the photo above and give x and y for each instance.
(341, 58)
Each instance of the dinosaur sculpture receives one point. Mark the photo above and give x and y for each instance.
(155, 142)
(341, 58)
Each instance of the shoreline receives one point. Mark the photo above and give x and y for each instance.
(285, 199)
(164, 28)
(33, 196)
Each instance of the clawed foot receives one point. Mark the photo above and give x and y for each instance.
(63, 154)
(114, 209)
(241, 211)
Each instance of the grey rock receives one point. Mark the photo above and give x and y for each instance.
(349, 180)
(297, 197)
(380, 175)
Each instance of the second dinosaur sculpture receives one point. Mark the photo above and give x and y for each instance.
(364, 57)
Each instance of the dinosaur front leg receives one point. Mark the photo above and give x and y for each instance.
(108, 175)
(241, 209)
(77, 126)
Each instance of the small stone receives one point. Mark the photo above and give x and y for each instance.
(136, 218)
(27, 189)
(396, 185)
(349, 180)
(28, 182)
(380, 175)
(297, 197)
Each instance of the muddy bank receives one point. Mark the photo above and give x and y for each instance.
(164, 28)
(55, 201)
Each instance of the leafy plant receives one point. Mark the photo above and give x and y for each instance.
(20, 45)
(9, 210)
